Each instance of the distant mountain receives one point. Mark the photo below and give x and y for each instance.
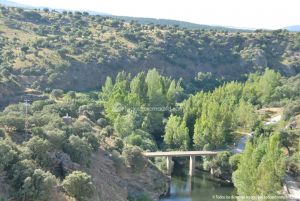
(13, 4)
(181, 24)
(295, 28)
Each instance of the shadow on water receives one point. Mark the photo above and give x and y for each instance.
(201, 187)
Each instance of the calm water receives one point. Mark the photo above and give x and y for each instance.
(201, 187)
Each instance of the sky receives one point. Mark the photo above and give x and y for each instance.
(268, 14)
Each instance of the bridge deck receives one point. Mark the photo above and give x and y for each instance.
(181, 153)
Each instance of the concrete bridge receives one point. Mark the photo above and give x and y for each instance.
(191, 154)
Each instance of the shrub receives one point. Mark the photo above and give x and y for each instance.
(2, 134)
(56, 137)
(134, 158)
(7, 155)
(144, 196)
(102, 122)
(118, 162)
(291, 109)
(78, 149)
(79, 185)
(39, 150)
(92, 140)
(39, 186)
(13, 122)
(57, 93)
(72, 94)
(119, 145)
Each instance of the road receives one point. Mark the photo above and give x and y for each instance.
(241, 144)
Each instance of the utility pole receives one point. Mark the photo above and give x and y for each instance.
(26, 115)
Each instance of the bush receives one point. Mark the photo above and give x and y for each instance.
(79, 185)
(144, 196)
(134, 158)
(118, 162)
(79, 128)
(291, 109)
(20, 171)
(2, 134)
(13, 122)
(7, 155)
(39, 186)
(119, 145)
(56, 137)
(102, 122)
(57, 93)
(39, 150)
(92, 140)
(79, 149)
(72, 94)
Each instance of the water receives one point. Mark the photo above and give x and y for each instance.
(201, 187)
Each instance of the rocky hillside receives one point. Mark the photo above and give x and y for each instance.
(57, 147)
(75, 51)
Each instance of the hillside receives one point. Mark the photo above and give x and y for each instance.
(75, 51)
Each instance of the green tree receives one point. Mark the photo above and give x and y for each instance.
(176, 134)
(260, 169)
(267, 85)
(245, 114)
(79, 185)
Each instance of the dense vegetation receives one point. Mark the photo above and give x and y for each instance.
(149, 112)
(46, 49)
(225, 81)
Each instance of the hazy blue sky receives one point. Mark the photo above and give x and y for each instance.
(270, 14)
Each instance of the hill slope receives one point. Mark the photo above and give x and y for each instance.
(75, 51)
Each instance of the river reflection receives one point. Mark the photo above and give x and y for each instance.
(201, 187)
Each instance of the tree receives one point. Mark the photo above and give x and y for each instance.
(79, 185)
(154, 88)
(267, 85)
(245, 115)
(125, 125)
(260, 169)
(176, 134)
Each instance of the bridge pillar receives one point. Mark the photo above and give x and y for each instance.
(192, 165)
(169, 165)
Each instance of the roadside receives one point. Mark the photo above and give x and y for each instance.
(292, 186)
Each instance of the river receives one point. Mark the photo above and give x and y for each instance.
(201, 187)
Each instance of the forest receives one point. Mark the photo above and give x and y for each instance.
(100, 87)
